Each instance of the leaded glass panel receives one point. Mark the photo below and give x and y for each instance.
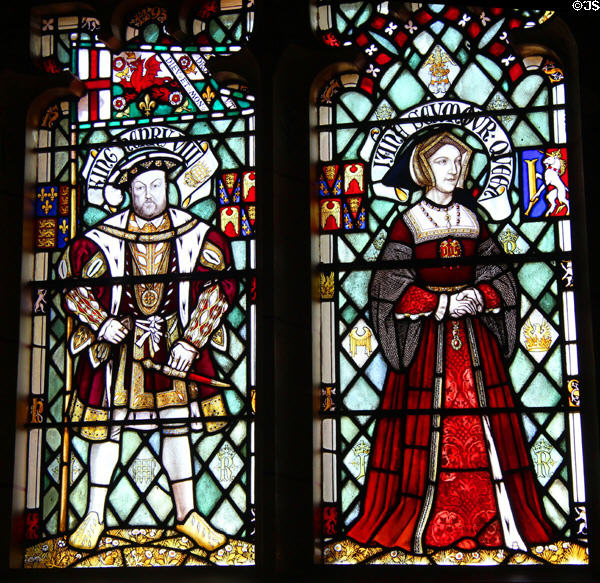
(450, 423)
(139, 441)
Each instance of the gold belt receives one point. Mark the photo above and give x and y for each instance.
(446, 288)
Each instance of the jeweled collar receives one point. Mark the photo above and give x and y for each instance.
(424, 229)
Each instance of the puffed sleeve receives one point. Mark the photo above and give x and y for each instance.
(84, 260)
(211, 296)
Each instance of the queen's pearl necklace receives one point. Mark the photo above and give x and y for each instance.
(446, 213)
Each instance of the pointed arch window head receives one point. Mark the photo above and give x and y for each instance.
(138, 447)
(450, 419)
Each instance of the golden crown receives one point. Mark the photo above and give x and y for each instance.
(538, 337)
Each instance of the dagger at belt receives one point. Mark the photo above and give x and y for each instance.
(171, 372)
(178, 374)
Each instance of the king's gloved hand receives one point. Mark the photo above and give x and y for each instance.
(112, 331)
(182, 356)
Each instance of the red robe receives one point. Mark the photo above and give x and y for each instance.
(449, 464)
(108, 375)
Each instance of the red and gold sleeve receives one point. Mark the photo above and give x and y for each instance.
(206, 317)
(211, 297)
(84, 260)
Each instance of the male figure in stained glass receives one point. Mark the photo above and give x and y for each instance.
(139, 339)
(449, 465)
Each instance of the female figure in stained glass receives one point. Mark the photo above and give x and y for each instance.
(449, 464)
(138, 340)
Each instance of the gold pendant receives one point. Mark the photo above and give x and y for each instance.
(456, 342)
(149, 298)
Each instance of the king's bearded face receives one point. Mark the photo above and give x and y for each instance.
(149, 194)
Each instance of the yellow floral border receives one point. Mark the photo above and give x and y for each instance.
(138, 547)
(348, 552)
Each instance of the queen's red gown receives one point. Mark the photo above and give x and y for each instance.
(449, 464)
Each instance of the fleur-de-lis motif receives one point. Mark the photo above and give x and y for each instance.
(46, 207)
(208, 95)
(147, 106)
(51, 194)
(64, 227)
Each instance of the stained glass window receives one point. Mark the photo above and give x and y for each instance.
(450, 398)
(138, 449)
